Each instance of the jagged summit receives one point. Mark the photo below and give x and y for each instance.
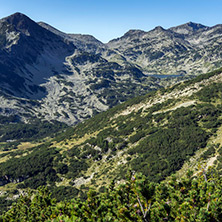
(21, 22)
(159, 29)
(188, 28)
(29, 54)
(156, 31)
(134, 32)
(18, 16)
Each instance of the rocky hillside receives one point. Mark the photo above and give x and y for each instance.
(46, 74)
(164, 132)
(49, 75)
(186, 49)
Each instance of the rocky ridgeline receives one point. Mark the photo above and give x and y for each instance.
(186, 49)
(51, 75)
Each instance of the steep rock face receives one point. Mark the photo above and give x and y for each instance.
(29, 55)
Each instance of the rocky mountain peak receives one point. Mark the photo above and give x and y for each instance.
(159, 29)
(188, 28)
(22, 23)
(131, 34)
(134, 32)
(17, 17)
(128, 36)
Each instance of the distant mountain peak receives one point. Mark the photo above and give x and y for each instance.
(134, 32)
(17, 18)
(194, 26)
(17, 15)
(159, 28)
(188, 28)
(21, 22)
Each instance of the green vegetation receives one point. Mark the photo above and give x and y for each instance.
(210, 93)
(27, 131)
(193, 198)
(197, 79)
(36, 170)
(155, 140)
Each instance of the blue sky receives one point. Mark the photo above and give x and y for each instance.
(108, 19)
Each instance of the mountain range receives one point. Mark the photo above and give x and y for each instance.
(46, 74)
(152, 110)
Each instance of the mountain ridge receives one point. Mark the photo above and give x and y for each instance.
(188, 28)
(70, 77)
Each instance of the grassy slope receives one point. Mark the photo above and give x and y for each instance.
(153, 134)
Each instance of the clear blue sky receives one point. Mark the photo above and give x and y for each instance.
(108, 19)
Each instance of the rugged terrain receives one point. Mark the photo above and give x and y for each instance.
(46, 74)
(164, 132)
(49, 79)
(186, 49)
(52, 76)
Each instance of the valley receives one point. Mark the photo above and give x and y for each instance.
(167, 131)
(71, 77)
(79, 117)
